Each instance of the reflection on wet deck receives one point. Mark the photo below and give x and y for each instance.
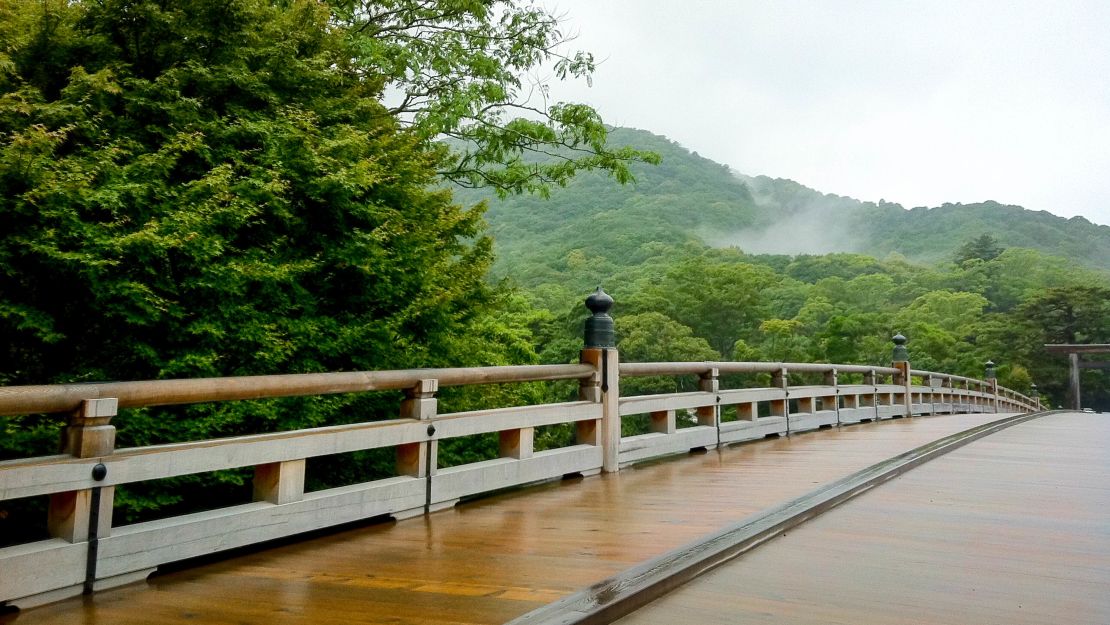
(491, 560)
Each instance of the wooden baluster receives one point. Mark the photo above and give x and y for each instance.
(589, 389)
(901, 361)
(831, 378)
(517, 443)
(89, 434)
(664, 422)
(781, 407)
(709, 382)
(601, 352)
(419, 459)
(870, 378)
(279, 482)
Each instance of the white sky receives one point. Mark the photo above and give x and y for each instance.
(919, 103)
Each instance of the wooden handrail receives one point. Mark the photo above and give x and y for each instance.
(33, 399)
(16, 400)
(640, 369)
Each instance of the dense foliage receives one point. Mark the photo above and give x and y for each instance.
(691, 198)
(204, 188)
(662, 248)
(209, 188)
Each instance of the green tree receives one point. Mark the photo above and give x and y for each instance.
(654, 337)
(1071, 314)
(204, 188)
(953, 312)
(781, 335)
(456, 69)
(984, 247)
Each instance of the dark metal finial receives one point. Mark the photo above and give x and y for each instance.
(900, 353)
(599, 325)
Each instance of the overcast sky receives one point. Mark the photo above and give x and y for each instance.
(919, 103)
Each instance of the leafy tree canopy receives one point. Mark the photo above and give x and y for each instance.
(983, 247)
(227, 187)
(454, 69)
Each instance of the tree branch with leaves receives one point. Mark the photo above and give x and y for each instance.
(461, 72)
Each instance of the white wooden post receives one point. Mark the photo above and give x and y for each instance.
(89, 434)
(608, 432)
(831, 378)
(781, 407)
(601, 352)
(419, 459)
(709, 382)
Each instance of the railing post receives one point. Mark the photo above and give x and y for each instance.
(780, 379)
(870, 378)
(928, 382)
(831, 378)
(89, 434)
(901, 361)
(419, 459)
(992, 380)
(601, 351)
(709, 382)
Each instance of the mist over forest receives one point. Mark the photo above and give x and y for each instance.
(811, 225)
(690, 197)
(758, 268)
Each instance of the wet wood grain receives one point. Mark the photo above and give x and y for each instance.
(492, 560)
(1014, 528)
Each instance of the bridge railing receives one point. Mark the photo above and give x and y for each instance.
(86, 551)
(81, 482)
(728, 415)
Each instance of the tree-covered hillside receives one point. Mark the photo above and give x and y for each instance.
(595, 223)
(593, 226)
(705, 264)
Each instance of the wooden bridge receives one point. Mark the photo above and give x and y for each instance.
(609, 522)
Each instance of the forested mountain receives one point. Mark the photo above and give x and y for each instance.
(705, 263)
(689, 198)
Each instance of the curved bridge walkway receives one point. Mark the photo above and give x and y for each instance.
(495, 559)
(1013, 528)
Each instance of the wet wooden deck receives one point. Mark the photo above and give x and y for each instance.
(1013, 528)
(491, 560)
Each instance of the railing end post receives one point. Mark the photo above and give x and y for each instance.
(604, 387)
(599, 331)
(899, 353)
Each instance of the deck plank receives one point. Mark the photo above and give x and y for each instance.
(491, 560)
(1013, 528)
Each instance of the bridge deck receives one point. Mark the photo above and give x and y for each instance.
(1014, 528)
(490, 560)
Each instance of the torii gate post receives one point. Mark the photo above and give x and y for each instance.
(1073, 351)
